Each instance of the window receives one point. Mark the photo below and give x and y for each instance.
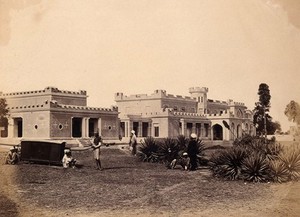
(156, 131)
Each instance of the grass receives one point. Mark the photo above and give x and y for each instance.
(127, 184)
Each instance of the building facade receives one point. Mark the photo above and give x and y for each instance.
(162, 115)
(56, 115)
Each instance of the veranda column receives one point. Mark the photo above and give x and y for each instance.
(10, 128)
(182, 127)
(83, 127)
(194, 128)
(210, 129)
(126, 129)
(201, 130)
(149, 129)
(99, 128)
(140, 129)
(87, 127)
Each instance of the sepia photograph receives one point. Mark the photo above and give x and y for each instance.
(164, 108)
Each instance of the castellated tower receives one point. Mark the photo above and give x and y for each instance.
(200, 94)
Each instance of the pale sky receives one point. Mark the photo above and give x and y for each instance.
(138, 46)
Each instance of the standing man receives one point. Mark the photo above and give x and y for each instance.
(133, 142)
(192, 151)
(97, 143)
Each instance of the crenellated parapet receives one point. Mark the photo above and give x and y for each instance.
(217, 102)
(198, 90)
(47, 90)
(188, 114)
(158, 94)
(27, 107)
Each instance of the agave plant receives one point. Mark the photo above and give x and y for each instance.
(255, 168)
(228, 163)
(148, 150)
(269, 148)
(182, 142)
(168, 150)
(273, 150)
(278, 171)
(291, 160)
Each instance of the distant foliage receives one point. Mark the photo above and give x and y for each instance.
(292, 111)
(4, 112)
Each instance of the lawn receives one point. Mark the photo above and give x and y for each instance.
(129, 187)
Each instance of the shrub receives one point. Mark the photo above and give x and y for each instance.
(182, 142)
(228, 163)
(169, 150)
(269, 148)
(148, 150)
(290, 158)
(278, 171)
(255, 168)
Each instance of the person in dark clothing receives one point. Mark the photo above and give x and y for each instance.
(192, 151)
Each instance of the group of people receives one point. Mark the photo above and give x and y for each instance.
(69, 161)
(188, 160)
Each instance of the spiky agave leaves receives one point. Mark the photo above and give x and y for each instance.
(291, 160)
(255, 168)
(278, 171)
(148, 150)
(200, 152)
(168, 149)
(228, 163)
(182, 142)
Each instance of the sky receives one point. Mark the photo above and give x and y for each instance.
(138, 46)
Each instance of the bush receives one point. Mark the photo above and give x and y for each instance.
(148, 150)
(228, 163)
(290, 158)
(182, 142)
(269, 148)
(278, 171)
(168, 150)
(255, 168)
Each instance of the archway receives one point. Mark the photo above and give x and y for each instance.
(238, 131)
(217, 132)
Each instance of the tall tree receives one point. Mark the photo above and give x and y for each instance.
(3, 112)
(261, 117)
(292, 111)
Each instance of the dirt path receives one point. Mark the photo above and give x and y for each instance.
(279, 199)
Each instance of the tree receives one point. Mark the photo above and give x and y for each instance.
(292, 111)
(274, 127)
(261, 118)
(3, 113)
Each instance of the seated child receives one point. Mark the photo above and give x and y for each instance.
(184, 161)
(68, 160)
(12, 156)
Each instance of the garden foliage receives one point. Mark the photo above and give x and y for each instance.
(256, 159)
(166, 150)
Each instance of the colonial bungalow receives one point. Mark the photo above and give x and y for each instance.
(54, 114)
(163, 115)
